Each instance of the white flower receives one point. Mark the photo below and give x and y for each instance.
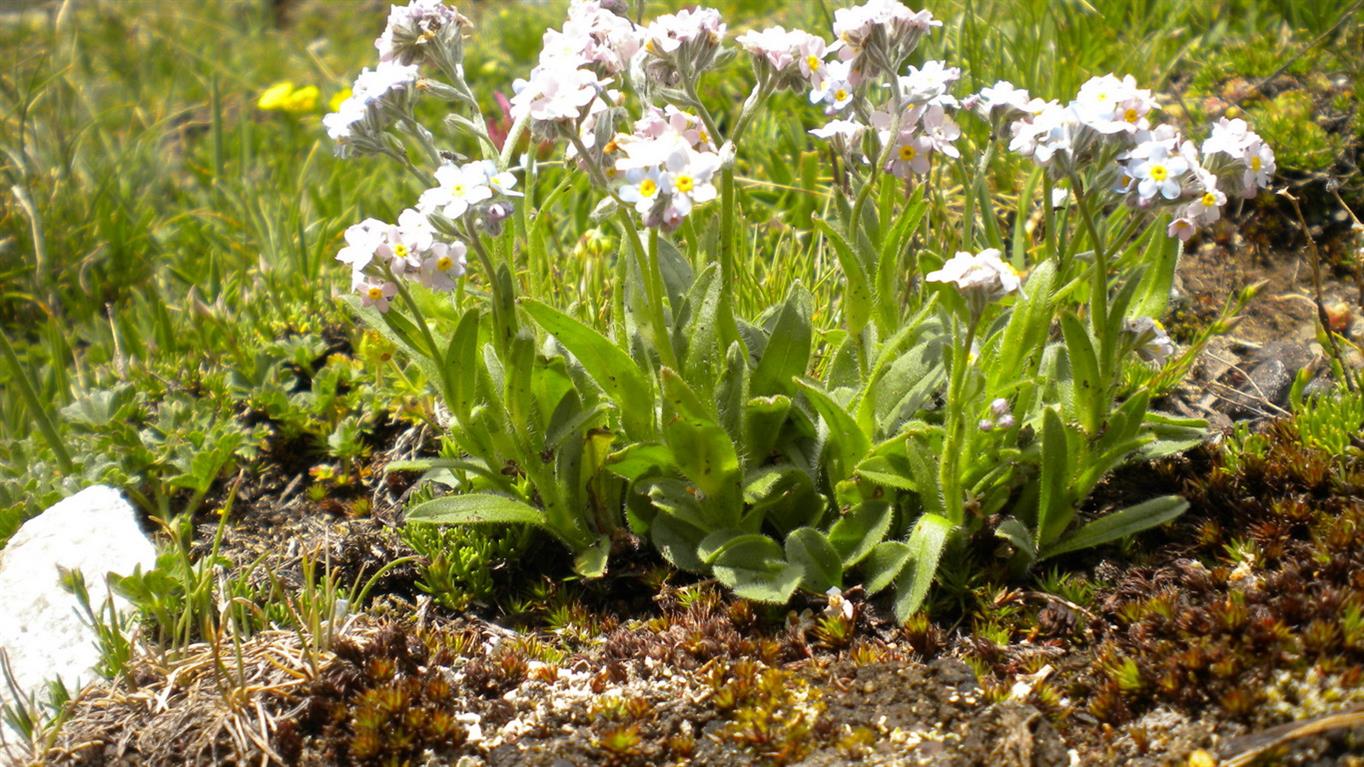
(362, 240)
(414, 28)
(441, 264)
(843, 134)
(682, 42)
(930, 84)
(835, 90)
(1109, 105)
(592, 36)
(690, 177)
(790, 57)
(404, 243)
(1149, 340)
(458, 188)
(1228, 137)
(1259, 167)
(643, 187)
(376, 293)
(880, 34)
(555, 96)
(389, 77)
(940, 131)
(1003, 97)
(1182, 228)
(1045, 136)
(1159, 173)
(1206, 207)
(980, 277)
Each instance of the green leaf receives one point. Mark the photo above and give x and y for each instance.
(807, 548)
(477, 509)
(884, 564)
(861, 530)
(1018, 536)
(1088, 386)
(1054, 510)
(771, 586)
(857, 291)
(1121, 524)
(788, 346)
(702, 449)
(591, 561)
(677, 541)
(844, 444)
(461, 367)
(610, 366)
(926, 544)
(640, 459)
(763, 418)
(701, 330)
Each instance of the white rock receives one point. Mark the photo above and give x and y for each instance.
(41, 628)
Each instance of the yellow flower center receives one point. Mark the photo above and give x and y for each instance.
(1131, 115)
(702, 137)
(1255, 162)
(1209, 199)
(908, 152)
(812, 61)
(840, 94)
(444, 263)
(648, 188)
(684, 184)
(457, 189)
(375, 292)
(1159, 173)
(400, 251)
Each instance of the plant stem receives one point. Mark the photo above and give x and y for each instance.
(949, 476)
(1098, 297)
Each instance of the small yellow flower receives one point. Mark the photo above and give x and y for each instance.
(334, 104)
(1201, 758)
(275, 97)
(302, 100)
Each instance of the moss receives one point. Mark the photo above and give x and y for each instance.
(1288, 124)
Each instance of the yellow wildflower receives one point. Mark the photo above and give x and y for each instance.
(302, 100)
(275, 97)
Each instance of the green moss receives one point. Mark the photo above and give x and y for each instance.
(1287, 123)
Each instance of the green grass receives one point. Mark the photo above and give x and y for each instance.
(166, 274)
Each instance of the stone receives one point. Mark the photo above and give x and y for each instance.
(42, 631)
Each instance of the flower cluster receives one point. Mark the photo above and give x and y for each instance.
(379, 254)
(1157, 167)
(877, 37)
(666, 166)
(576, 65)
(424, 31)
(1001, 419)
(979, 277)
(680, 45)
(912, 121)
(377, 97)
(475, 193)
(427, 245)
(787, 59)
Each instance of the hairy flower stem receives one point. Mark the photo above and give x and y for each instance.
(513, 138)
(647, 259)
(949, 472)
(1099, 287)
